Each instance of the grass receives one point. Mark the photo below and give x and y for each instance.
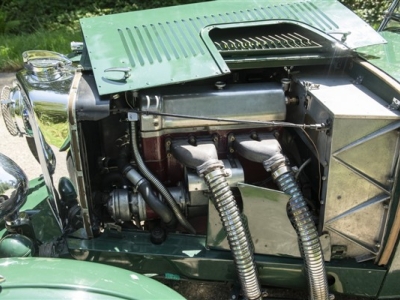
(12, 46)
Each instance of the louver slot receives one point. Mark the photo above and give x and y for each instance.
(273, 38)
(282, 41)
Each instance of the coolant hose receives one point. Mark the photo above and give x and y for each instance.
(303, 223)
(144, 188)
(239, 241)
(160, 187)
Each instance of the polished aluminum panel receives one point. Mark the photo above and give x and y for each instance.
(269, 225)
(253, 102)
(359, 154)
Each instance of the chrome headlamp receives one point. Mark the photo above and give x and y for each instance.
(13, 188)
(14, 111)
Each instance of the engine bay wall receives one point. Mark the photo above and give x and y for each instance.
(358, 156)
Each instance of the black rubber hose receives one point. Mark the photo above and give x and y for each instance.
(155, 204)
(160, 187)
(145, 189)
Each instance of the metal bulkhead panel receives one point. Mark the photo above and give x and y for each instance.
(253, 102)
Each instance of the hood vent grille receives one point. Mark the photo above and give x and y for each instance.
(276, 41)
(272, 38)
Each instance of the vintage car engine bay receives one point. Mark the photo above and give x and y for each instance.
(236, 153)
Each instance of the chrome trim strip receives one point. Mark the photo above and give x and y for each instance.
(76, 154)
(38, 138)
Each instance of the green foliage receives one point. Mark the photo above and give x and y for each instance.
(12, 46)
(51, 25)
(371, 11)
(53, 15)
(7, 25)
(27, 16)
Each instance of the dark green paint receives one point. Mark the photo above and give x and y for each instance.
(42, 219)
(16, 245)
(391, 284)
(391, 287)
(169, 41)
(385, 57)
(41, 278)
(187, 256)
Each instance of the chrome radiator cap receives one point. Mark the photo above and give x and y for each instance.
(46, 66)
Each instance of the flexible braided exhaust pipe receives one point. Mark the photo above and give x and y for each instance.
(266, 150)
(215, 177)
(303, 223)
(214, 174)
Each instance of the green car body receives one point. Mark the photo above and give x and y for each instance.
(69, 279)
(384, 56)
(178, 126)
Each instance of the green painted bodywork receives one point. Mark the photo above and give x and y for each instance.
(390, 287)
(43, 221)
(188, 257)
(385, 57)
(169, 41)
(16, 245)
(42, 278)
(174, 43)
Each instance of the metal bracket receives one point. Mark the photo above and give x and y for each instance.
(343, 33)
(395, 105)
(126, 71)
(338, 251)
(358, 80)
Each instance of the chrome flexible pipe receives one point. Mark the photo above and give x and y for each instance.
(303, 223)
(239, 241)
(265, 149)
(159, 186)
